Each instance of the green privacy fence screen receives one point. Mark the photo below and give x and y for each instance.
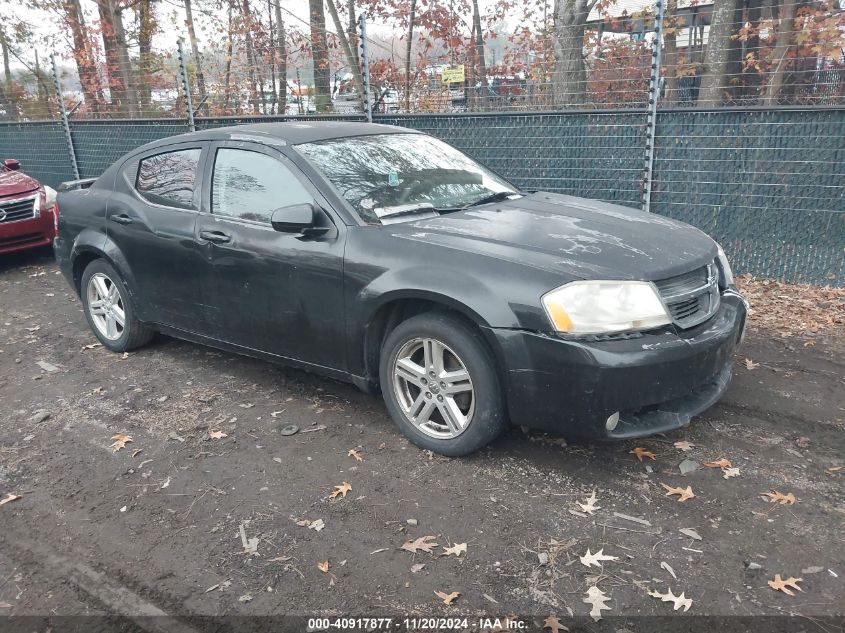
(769, 184)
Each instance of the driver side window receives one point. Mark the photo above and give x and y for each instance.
(251, 185)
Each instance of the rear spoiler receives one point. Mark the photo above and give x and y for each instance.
(72, 185)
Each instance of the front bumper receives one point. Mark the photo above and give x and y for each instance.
(657, 381)
(30, 233)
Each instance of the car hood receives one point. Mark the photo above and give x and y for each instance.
(585, 239)
(12, 182)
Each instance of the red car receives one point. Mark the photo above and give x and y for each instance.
(27, 210)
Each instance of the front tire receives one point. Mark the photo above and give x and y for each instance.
(108, 309)
(440, 384)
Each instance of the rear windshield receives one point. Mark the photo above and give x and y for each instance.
(385, 171)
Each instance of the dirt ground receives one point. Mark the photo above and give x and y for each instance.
(153, 531)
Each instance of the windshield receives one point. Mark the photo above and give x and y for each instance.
(385, 171)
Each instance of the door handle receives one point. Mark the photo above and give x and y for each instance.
(215, 236)
(122, 218)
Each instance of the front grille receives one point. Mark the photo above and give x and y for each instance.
(18, 209)
(692, 297)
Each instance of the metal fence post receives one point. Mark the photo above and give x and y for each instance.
(65, 122)
(653, 96)
(365, 63)
(186, 87)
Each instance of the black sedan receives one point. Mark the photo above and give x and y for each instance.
(385, 257)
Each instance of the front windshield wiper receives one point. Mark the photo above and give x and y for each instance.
(399, 210)
(493, 197)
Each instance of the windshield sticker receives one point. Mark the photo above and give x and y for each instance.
(393, 178)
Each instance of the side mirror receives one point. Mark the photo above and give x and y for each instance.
(294, 218)
(12, 164)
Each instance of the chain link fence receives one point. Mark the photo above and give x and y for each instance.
(727, 115)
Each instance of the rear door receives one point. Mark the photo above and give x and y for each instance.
(276, 292)
(151, 218)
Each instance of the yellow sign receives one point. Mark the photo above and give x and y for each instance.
(453, 75)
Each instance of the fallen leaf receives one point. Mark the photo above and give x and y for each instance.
(679, 601)
(279, 559)
(137, 451)
(590, 505)
(120, 441)
(554, 624)
(415, 569)
(341, 490)
(457, 549)
(91, 346)
(245, 598)
(668, 567)
(786, 586)
(683, 493)
(217, 435)
(833, 469)
(688, 466)
(9, 498)
(809, 342)
(598, 600)
(815, 569)
(323, 567)
(719, 463)
(684, 446)
(124, 357)
(589, 559)
(727, 473)
(779, 497)
(690, 533)
(423, 543)
(490, 598)
(750, 364)
(641, 452)
(447, 598)
(354, 452)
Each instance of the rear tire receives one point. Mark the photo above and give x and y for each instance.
(439, 383)
(109, 310)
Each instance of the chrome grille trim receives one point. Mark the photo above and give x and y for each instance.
(691, 298)
(18, 209)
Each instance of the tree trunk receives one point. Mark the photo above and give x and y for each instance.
(250, 56)
(717, 54)
(752, 79)
(408, 49)
(146, 29)
(569, 81)
(479, 52)
(117, 57)
(733, 68)
(228, 72)
(6, 98)
(83, 56)
(352, 31)
(670, 53)
(780, 60)
(195, 50)
(281, 53)
(320, 55)
(350, 58)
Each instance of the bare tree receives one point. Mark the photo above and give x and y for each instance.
(479, 50)
(569, 81)
(146, 29)
(350, 57)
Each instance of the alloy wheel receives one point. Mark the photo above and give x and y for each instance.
(434, 388)
(105, 305)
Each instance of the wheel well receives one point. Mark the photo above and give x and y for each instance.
(388, 317)
(79, 265)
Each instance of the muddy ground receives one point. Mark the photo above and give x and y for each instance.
(154, 529)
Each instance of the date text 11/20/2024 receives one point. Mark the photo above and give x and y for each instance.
(417, 624)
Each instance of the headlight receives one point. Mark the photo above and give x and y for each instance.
(727, 275)
(599, 307)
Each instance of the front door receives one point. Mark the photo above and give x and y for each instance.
(150, 218)
(275, 292)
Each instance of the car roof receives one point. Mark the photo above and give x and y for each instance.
(290, 132)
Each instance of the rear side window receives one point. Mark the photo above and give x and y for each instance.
(250, 185)
(169, 178)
